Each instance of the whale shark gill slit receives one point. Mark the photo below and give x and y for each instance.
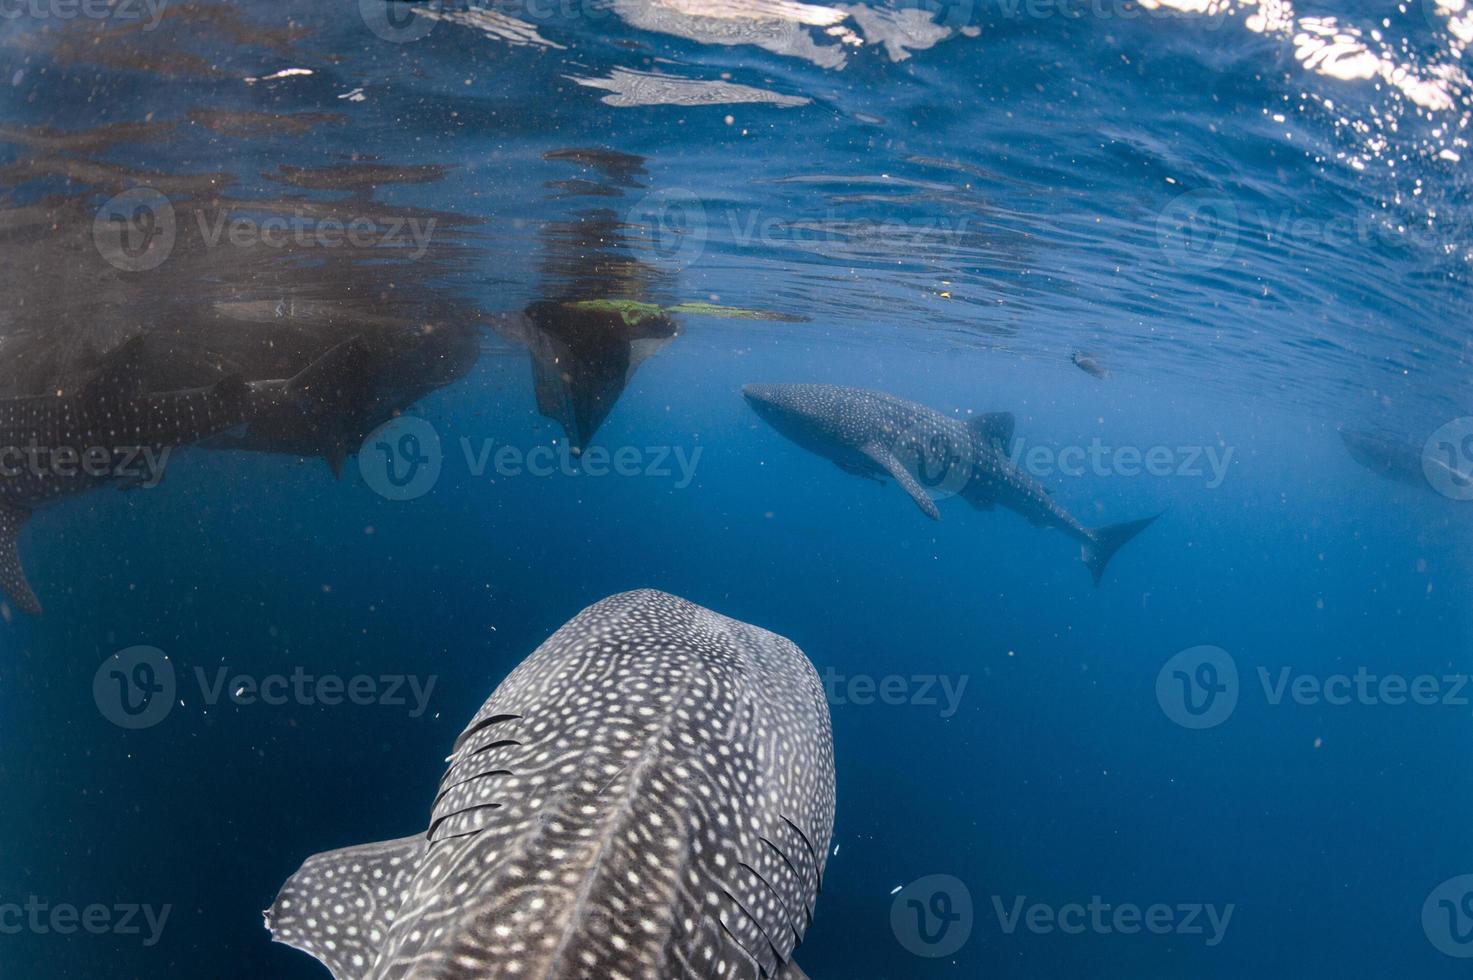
(471, 778)
(716, 738)
(498, 744)
(474, 730)
(459, 813)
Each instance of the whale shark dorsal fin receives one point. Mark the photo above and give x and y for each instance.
(886, 459)
(121, 375)
(13, 583)
(340, 905)
(993, 427)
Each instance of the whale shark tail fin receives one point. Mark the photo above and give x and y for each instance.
(1107, 540)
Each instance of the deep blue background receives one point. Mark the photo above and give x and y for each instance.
(1059, 778)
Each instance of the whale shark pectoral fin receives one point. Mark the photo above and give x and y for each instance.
(13, 583)
(791, 971)
(993, 427)
(340, 905)
(886, 459)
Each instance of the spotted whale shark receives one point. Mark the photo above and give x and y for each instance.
(649, 795)
(873, 434)
(110, 433)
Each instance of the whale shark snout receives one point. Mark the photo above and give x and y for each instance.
(759, 395)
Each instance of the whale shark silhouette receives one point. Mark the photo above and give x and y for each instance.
(110, 433)
(649, 795)
(872, 434)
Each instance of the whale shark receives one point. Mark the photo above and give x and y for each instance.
(649, 795)
(873, 434)
(110, 433)
(1392, 457)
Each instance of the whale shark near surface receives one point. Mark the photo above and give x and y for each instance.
(109, 433)
(650, 795)
(872, 434)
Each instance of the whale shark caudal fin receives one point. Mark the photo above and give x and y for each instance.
(340, 905)
(1108, 540)
(13, 582)
(886, 459)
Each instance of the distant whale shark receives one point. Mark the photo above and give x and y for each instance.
(109, 433)
(649, 795)
(871, 434)
(1392, 457)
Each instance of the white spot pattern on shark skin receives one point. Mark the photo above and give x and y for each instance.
(871, 433)
(130, 433)
(649, 795)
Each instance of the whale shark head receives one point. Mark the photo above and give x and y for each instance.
(649, 795)
(801, 412)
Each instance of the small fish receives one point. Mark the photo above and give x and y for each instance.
(1089, 365)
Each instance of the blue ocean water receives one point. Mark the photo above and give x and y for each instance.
(1254, 217)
